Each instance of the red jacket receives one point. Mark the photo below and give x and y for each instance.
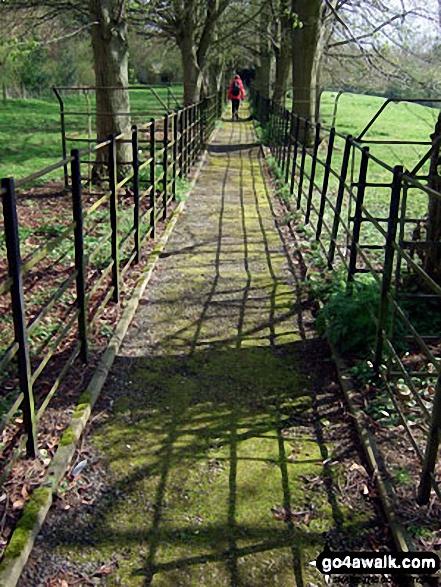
(241, 95)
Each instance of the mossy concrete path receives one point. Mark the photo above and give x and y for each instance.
(226, 458)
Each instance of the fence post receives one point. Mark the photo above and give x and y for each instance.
(165, 168)
(281, 133)
(190, 136)
(186, 140)
(63, 134)
(325, 184)
(181, 145)
(114, 217)
(294, 157)
(286, 138)
(277, 132)
(290, 132)
(135, 164)
(361, 187)
(431, 455)
(77, 208)
(302, 162)
(193, 133)
(339, 200)
(18, 314)
(175, 153)
(318, 129)
(152, 177)
(386, 281)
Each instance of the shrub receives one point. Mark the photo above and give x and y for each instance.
(346, 316)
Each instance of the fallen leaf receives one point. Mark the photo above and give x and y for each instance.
(18, 504)
(78, 468)
(105, 570)
(278, 513)
(358, 468)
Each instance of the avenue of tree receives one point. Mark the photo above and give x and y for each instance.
(293, 46)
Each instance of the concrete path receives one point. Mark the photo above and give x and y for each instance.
(225, 458)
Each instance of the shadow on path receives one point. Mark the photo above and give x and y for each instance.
(217, 448)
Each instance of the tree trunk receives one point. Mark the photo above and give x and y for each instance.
(432, 258)
(306, 57)
(110, 53)
(191, 70)
(264, 70)
(283, 63)
(283, 53)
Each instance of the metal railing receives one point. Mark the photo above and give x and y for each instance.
(78, 117)
(362, 217)
(57, 288)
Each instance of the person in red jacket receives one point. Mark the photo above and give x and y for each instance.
(236, 93)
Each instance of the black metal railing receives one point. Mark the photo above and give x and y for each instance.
(359, 212)
(61, 280)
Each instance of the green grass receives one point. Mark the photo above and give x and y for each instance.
(30, 135)
(403, 121)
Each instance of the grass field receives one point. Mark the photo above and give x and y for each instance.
(404, 121)
(30, 136)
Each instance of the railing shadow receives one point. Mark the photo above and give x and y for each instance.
(201, 431)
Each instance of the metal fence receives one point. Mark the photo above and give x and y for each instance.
(78, 266)
(368, 219)
(78, 113)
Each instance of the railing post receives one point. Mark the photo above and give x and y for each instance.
(294, 157)
(194, 149)
(18, 314)
(175, 153)
(281, 132)
(386, 282)
(205, 132)
(181, 145)
(339, 200)
(165, 168)
(285, 131)
(114, 217)
(431, 456)
(186, 140)
(77, 208)
(190, 136)
(361, 187)
(135, 164)
(325, 184)
(152, 177)
(277, 132)
(286, 144)
(63, 134)
(302, 162)
(318, 129)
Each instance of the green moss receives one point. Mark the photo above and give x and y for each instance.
(80, 409)
(27, 522)
(201, 447)
(68, 437)
(32, 508)
(85, 398)
(17, 543)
